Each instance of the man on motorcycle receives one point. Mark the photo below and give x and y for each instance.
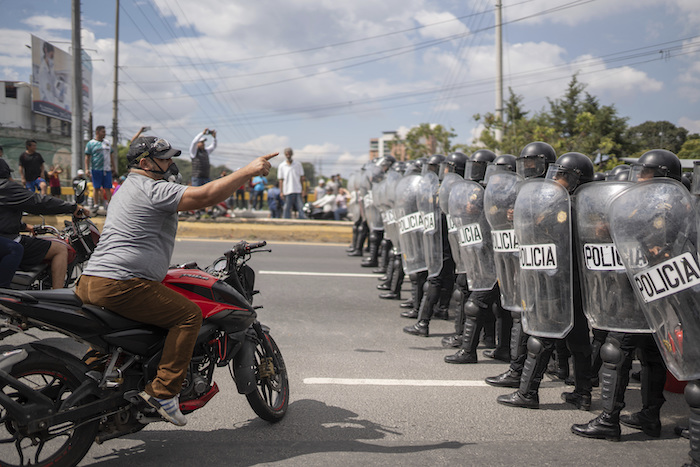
(125, 272)
(14, 200)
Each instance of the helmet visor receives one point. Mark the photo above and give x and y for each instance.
(564, 176)
(695, 186)
(430, 168)
(641, 172)
(475, 170)
(530, 167)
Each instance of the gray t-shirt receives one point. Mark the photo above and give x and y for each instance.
(139, 233)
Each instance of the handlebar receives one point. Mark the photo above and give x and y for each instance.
(243, 248)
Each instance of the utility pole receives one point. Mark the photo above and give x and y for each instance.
(77, 101)
(115, 98)
(498, 133)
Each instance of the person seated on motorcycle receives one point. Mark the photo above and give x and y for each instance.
(14, 200)
(324, 207)
(125, 272)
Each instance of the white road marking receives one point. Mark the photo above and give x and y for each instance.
(324, 274)
(395, 382)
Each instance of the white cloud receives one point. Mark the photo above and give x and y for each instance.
(448, 24)
(48, 23)
(693, 126)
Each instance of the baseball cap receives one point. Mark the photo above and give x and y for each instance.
(80, 172)
(5, 169)
(151, 146)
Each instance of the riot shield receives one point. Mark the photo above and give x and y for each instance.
(410, 224)
(429, 207)
(608, 299)
(542, 222)
(353, 202)
(386, 196)
(373, 175)
(448, 182)
(499, 200)
(473, 235)
(654, 227)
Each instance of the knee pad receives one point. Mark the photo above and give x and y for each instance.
(611, 353)
(535, 345)
(472, 310)
(692, 394)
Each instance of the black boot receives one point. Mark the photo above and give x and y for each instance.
(385, 256)
(580, 401)
(604, 426)
(646, 420)
(517, 399)
(527, 396)
(425, 312)
(355, 229)
(418, 329)
(407, 304)
(509, 379)
(472, 328)
(498, 354)
(455, 340)
(397, 276)
(362, 234)
(375, 238)
(462, 356)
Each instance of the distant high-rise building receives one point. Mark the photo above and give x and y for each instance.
(387, 144)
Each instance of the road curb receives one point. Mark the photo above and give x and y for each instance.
(243, 229)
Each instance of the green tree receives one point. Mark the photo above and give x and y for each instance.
(656, 135)
(691, 148)
(426, 140)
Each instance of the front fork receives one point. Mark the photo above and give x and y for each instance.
(244, 363)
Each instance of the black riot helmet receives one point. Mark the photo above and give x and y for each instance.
(687, 181)
(399, 166)
(454, 163)
(504, 162)
(476, 165)
(385, 162)
(535, 159)
(695, 186)
(656, 163)
(433, 164)
(616, 171)
(571, 170)
(413, 168)
(599, 176)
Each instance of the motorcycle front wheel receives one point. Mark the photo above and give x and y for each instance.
(57, 446)
(270, 398)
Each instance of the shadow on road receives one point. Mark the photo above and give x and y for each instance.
(310, 427)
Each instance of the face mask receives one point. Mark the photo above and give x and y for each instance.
(171, 174)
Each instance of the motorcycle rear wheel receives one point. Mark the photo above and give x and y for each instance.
(270, 398)
(52, 378)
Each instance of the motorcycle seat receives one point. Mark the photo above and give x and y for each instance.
(116, 322)
(26, 277)
(62, 296)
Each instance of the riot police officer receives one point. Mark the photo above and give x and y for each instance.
(476, 253)
(441, 266)
(547, 311)
(533, 162)
(619, 348)
(374, 175)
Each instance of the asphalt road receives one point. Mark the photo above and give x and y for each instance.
(399, 404)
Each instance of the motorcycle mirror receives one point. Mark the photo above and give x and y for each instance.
(80, 188)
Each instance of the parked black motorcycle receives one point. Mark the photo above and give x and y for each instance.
(54, 405)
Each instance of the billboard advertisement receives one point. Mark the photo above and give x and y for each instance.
(52, 75)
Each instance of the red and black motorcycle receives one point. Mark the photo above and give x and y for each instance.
(80, 236)
(54, 405)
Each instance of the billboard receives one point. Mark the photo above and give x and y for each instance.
(52, 77)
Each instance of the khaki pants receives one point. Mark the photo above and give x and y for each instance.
(152, 303)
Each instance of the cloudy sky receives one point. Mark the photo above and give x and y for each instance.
(325, 76)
